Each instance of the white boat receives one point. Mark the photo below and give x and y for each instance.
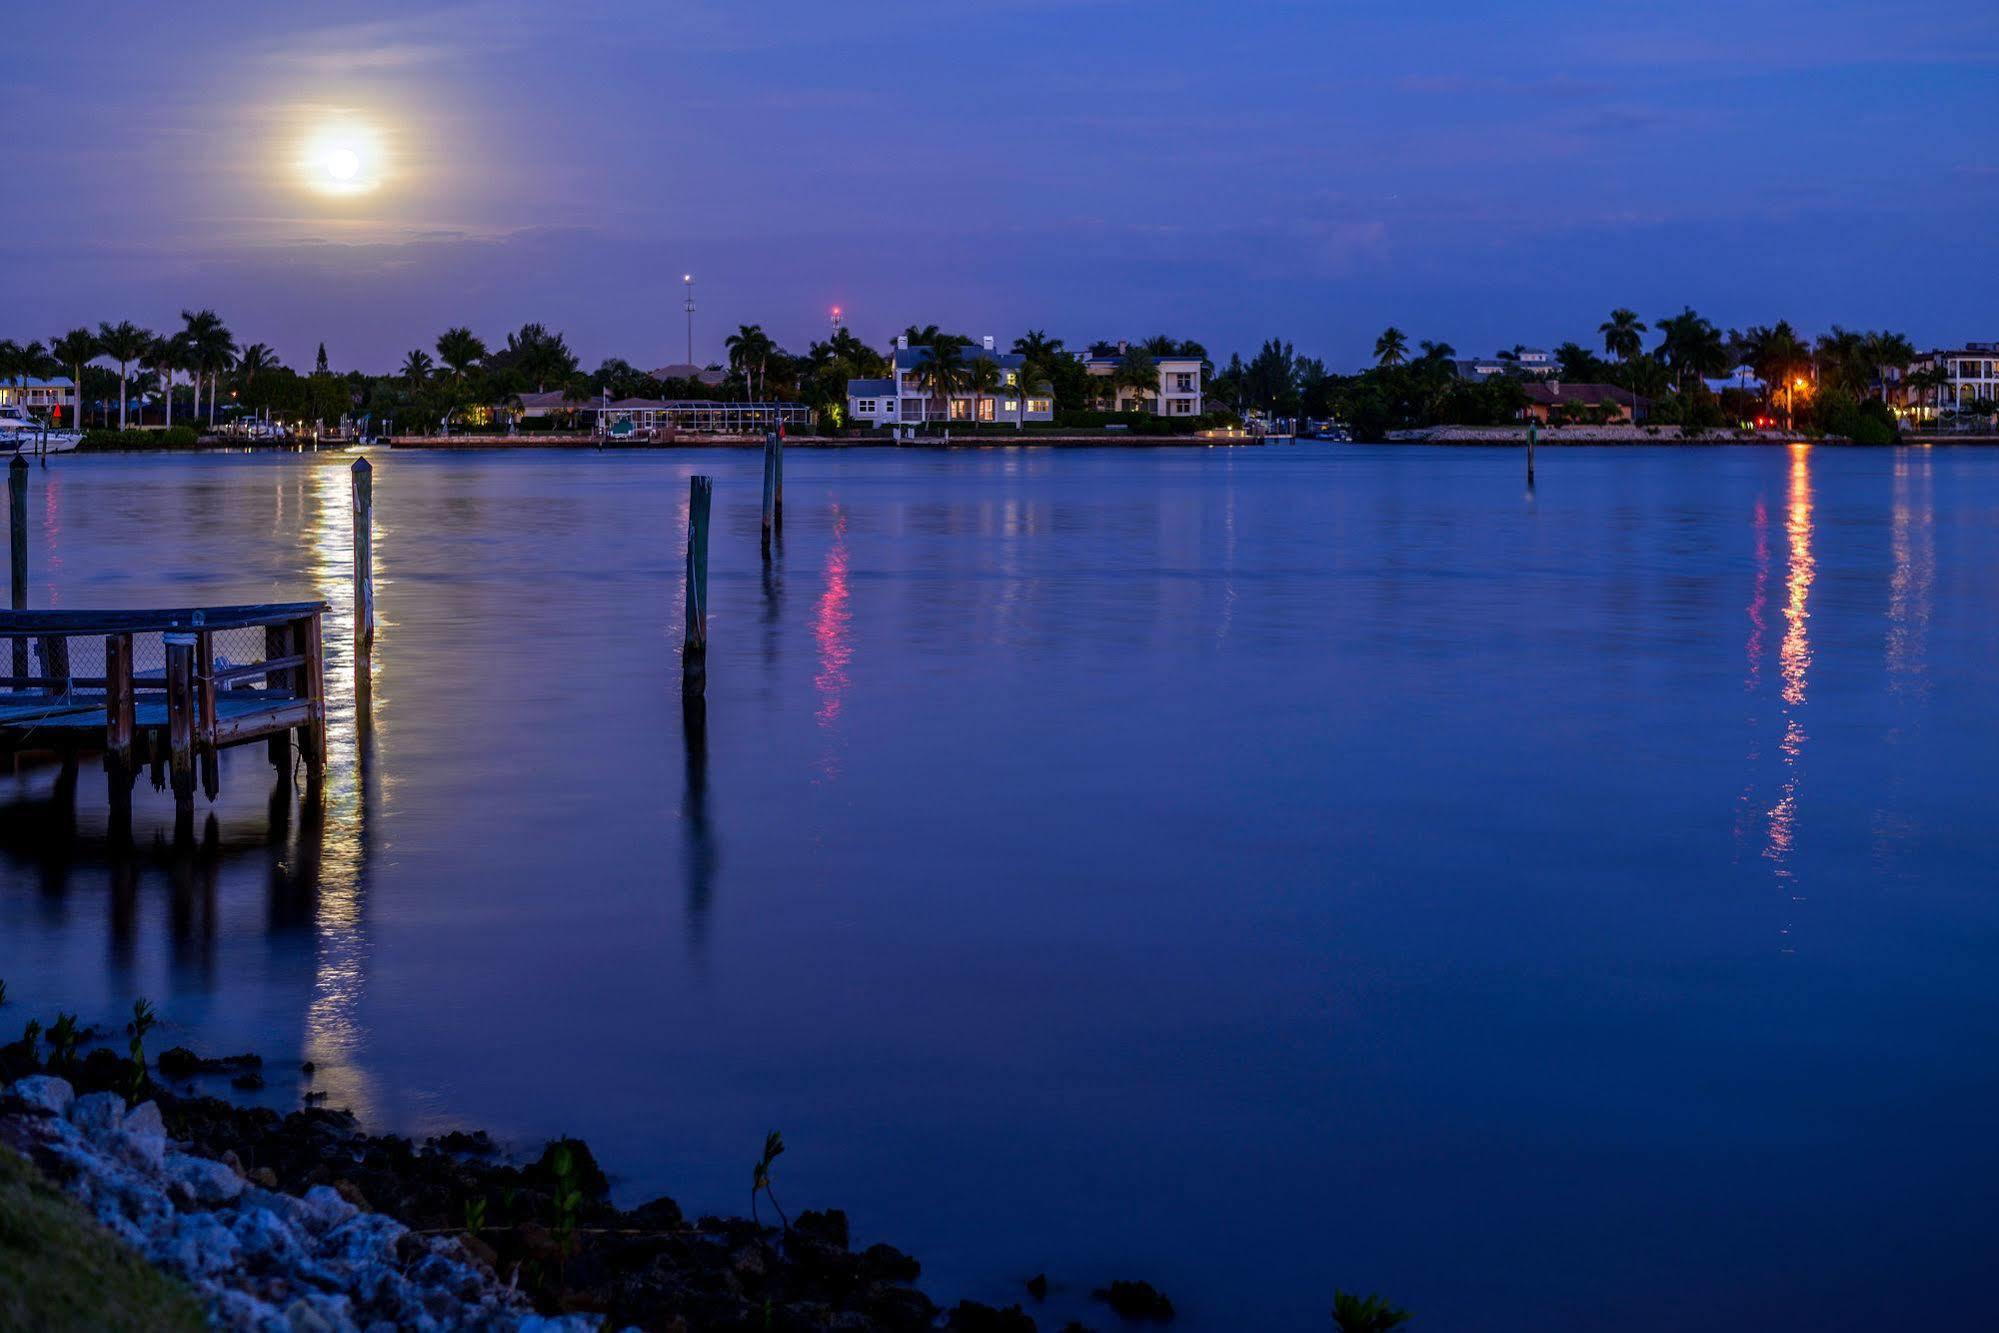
(22, 434)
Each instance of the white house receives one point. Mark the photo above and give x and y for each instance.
(1179, 392)
(54, 399)
(1974, 376)
(903, 398)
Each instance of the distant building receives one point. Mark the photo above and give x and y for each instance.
(1974, 376)
(1547, 399)
(1179, 391)
(54, 399)
(1527, 361)
(687, 370)
(904, 398)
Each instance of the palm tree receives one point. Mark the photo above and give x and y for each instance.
(1391, 348)
(460, 349)
(1889, 351)
(1623, 334)
(124, 342)
(1139, 372)
(749, 352)
(982, 378)
(166, 355)
(417, 367)
(943, 373)
(74, 349)
(212, 349)
(256, 357)
(1692, 347)
(1037, 347)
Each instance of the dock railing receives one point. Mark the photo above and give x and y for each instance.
(168, 689)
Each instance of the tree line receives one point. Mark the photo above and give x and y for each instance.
(1838, 384)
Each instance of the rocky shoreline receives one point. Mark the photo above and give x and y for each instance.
(302, 1221)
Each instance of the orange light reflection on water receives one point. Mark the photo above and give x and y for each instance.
(1794, 659)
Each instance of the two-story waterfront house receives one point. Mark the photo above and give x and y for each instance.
(50, 400)
(905, 399)
(1973, 379)
(1179, 388)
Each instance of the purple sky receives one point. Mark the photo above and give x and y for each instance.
(1483, 174)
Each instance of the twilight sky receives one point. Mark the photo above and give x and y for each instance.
(1483, 173)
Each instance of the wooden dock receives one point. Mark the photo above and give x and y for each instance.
(165, 690)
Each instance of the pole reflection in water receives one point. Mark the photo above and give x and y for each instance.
(1794, 659)
(700, 842)
(334, 820)
(832, 629)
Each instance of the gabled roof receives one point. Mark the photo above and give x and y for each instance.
(1554, 393)
(687, 370)
(909, 358)
(1118, 360)
(34, 382)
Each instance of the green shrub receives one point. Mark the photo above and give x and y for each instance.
(173, 437)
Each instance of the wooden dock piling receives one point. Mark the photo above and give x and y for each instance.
(1533, 434)
(364, 585)
(17, 549)
(770, 489)
(180, 721)
(694, 655)
(777, 500)
(120, 771)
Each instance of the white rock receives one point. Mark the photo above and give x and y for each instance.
(322, 1209)
(201, 1246)
(199, 1180)
(239, 1310)
(44, 1092)
(144, 1120)
(98, 1113)
(263, 1236)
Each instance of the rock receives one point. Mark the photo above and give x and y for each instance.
(972, 1317)
(264, 1178)
(179, 1062)
(97, 1114)
(828, 1227)
(200, 1245)
(144, 1121)
(199, 1180)
(1135, 1300)
(351, 1192)
(308, 1069)
(249, 1081)
(321, 1209)
(661, 1214)
(1037, 1286)
(583, 1168)
(885, 1263)
(263, 1235)
(43, 1092)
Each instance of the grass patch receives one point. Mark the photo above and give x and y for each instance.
(59, 1270)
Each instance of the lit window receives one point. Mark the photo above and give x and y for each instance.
(985, 409)
(1038, 405)
(1012, 405)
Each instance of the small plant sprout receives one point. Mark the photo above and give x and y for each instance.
(143, 1021)
(760, 1179)
(29, 1036)
(568, 1198)
(475, 1215)
(63, 1038)
(1372, 1314)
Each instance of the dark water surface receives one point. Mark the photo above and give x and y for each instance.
(1259, 871)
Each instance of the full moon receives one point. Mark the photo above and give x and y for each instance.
(342, 154)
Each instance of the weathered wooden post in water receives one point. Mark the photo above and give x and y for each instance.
(694, 654)
(777, 501)
(1533, 433)
(17, 548)
(770, 488)
(181, 723)
(364, 585)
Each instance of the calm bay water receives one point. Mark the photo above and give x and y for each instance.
(1259, 871)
